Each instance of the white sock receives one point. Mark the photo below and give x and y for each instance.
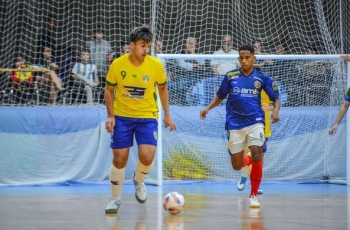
(142, 171)
(244, 171)
(117, 178)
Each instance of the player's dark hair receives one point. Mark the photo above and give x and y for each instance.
(141, 33)
(247, 48)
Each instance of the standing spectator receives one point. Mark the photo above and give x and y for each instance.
(47, 35)
(84, 74)
(132, 111)
(221, 67)
(244, 115)
(101, 54)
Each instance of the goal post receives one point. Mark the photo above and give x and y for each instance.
(300, 148)
(348, 136)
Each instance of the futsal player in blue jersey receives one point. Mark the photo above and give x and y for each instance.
(244, 114)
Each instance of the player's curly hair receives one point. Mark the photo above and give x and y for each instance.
(247, 48)
(141, 33)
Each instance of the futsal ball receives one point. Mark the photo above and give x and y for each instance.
(173, 203)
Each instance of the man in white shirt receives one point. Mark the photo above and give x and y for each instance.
(221, 67)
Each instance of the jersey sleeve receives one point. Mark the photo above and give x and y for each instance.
(75, 69)
(224, 88)
(111, 78)
(271, 88)
(161, 78)
(347, 96)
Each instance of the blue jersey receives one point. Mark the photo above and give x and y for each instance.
(243, 106)
(347, 96)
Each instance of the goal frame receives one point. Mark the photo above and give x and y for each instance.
(260, 57)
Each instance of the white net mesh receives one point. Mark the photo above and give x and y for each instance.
(290, 27)
(68, 26)
(311, 89)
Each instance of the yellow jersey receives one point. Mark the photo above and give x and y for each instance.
(136, 86)
(266, 100)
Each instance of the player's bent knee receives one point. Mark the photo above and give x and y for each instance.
(257, 157)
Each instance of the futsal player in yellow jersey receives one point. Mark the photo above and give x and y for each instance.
(131, 101)
(265, 101)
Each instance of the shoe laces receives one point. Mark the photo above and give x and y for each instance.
(140, 187)
(113, 201)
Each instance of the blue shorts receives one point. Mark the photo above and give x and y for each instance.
(145, 130)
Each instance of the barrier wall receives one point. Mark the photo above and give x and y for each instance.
(40, 145)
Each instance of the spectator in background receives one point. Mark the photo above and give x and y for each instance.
(47, 35)
(257, 44)
(124, 48)
(101, 54)
(50, 79)
(191, 67)
(85, 75)
(190, 72)
(64, 60)
(158, 49)
(221, 67)
(317, 78)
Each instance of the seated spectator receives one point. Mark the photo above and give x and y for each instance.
(64, 61)
(191, 67)
(22, 82)
(317, 79)
(50, 79)
(221, 67)
(158, 49)
(85, 75)
(190, 72)
(257, 44)
(124, 48)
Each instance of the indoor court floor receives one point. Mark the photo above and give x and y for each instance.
(209, 205)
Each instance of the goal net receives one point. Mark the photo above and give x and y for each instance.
(312, 88)
(66, 27)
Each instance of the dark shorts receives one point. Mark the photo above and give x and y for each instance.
(144, 129)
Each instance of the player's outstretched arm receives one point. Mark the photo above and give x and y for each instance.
(164, 99)
(342, 111)
(215, 102)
